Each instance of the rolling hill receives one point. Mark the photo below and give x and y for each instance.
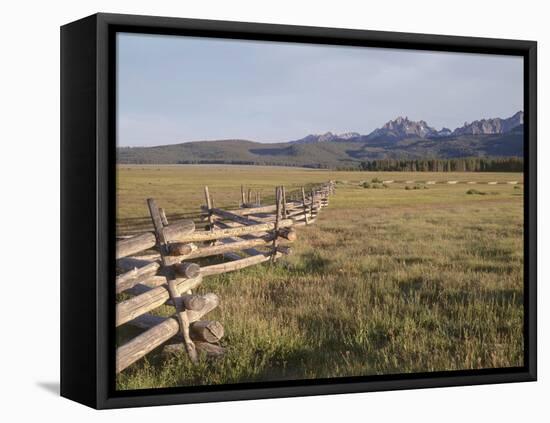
(398, 139)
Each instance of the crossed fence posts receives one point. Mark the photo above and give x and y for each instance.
(159, 267)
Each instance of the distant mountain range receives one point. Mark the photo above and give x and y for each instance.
(403, 128)
(400, 138)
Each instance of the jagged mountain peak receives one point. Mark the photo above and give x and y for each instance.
(399, 138)
(491, 125)
(402, 127)
(326, 137)
(348, 135)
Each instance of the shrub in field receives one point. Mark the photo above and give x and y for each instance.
(373, 185)
(475, 192)
(408, 187)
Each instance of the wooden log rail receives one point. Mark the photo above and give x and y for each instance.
(152, 338)
(213, 250)
(167, 277)
(231, 266)
(231, 232)
(154, 298)
(135, 276)
(174, 232)
(188, 250)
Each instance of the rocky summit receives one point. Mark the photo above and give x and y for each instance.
(402, 128)
(490, 126)
(326, 137)
(400, 138)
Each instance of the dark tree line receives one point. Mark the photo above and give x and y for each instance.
(226, 162)
(253, 163)
(469, 164)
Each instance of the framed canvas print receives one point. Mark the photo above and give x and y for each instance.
(255, 211)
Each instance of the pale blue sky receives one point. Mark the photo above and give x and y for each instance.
(175, 89)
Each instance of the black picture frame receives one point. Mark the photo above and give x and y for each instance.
(88, 198)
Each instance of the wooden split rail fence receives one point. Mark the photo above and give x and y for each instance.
(163, 267)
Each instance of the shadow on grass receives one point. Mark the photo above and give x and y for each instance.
(500, 268)
(310, 263)
(411, 285)
(503, 297)
(499, 297)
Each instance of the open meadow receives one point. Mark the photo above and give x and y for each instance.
(394, 277)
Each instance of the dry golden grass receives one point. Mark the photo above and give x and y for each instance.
(387, 281)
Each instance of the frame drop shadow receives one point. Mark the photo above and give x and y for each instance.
(50, 387)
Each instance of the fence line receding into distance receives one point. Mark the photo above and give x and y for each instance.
(161, 267)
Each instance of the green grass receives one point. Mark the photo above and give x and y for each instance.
(386, 281)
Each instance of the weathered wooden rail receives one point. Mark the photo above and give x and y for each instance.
(155, 268)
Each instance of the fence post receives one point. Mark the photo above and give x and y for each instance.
(304, 205)
(163, 217)
(171, 278)
(312, 198)
(208, 200)
(278, 196)
(283, 199)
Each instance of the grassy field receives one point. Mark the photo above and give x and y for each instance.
(388, 280)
